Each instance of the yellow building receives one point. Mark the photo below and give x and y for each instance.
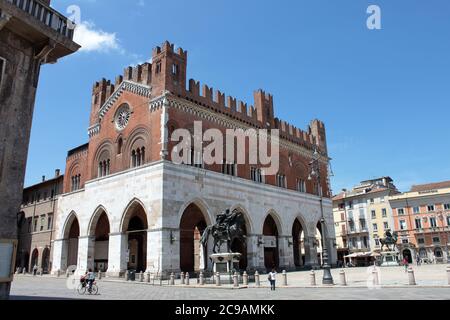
(361, 216)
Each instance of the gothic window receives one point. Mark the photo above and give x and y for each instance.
(104, 168)
(158, 67)
(281, 180)
(175, 69)
(76, 182)
(229, 168)
(119, 146)
(256, 174)
(301, 185)
(138, 157)
(196, 159)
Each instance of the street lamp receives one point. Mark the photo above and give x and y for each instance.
(315, 174)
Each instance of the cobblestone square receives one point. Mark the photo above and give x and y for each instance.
(432, 284)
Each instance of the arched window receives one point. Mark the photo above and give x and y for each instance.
(138, 157)
(119, 146)
(142, 155)
(133, 159)
(76, 183)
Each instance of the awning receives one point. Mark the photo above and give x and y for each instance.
(362, 255)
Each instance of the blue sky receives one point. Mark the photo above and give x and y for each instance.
(383, 94)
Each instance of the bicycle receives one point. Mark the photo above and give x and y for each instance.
(84, 287)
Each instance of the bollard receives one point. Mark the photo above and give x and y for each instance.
(100, 275)
(448, 275)
(41, 273)
(141, 277)
(235, 280)
(127, 276)
(218, 279)
(411, 278)
(172, 279)
(245, 278)
(147, 277)
(24, 271)
(257, 280)
(202, 279)
(342, 278)
(313, 278)
(284, 274)
(187, 278)
(182, 278)
(375, 278)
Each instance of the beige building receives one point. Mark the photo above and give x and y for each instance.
(362, 215)
(422, 221)
(36, 227)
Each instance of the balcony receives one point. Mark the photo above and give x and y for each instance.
(40, 24)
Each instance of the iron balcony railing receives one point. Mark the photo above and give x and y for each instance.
(46, 15)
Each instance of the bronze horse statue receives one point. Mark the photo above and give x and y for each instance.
(228, 227)
(389, 239)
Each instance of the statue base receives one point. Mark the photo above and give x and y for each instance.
(389, 259)
(224, 262)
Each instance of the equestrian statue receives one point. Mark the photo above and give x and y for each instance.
(389, 239)
(229, 226)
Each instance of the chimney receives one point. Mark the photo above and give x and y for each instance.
(43, 178)
(57, 173)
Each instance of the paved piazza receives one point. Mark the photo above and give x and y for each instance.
(431, 285)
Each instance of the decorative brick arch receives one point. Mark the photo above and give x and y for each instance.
(104, 152)
(139, 138)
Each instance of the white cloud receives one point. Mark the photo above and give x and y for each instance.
(92, 39)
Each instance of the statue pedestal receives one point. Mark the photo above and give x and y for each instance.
(224, 262)
(389, 259)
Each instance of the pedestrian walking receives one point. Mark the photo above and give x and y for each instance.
(272, 279)
(418, 260)
(35, 269)
(406, 264)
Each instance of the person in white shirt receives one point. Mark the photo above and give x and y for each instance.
(272, 279)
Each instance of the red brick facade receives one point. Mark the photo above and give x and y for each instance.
(142, 135)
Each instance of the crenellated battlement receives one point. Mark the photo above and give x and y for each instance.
(169, 48)
(167, 72)
(218, 101)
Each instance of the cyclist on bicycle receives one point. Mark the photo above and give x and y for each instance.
(90, 277)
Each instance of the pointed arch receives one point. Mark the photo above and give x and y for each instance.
(68, 224)
(202, 205)
(193, 221)
(128, 214)
(134, 224)
(94, 219)
(247, 217)
(276, 218)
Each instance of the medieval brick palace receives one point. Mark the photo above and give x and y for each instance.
(127, 205)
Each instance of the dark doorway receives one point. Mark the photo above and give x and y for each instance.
(192, 225)
(238, 246)
(407, 254)
(137, 239)
(72, 252)
(101, 247)
(270, 231)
